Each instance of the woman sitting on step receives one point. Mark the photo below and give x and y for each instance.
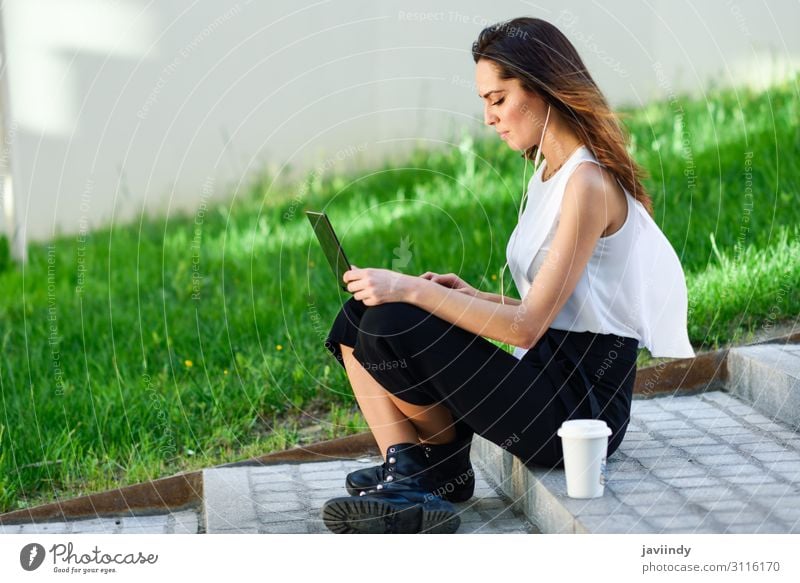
(597, 278)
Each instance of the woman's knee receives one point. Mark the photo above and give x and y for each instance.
(391, 319)
(347, 322)
(353, 310)
(345, 328)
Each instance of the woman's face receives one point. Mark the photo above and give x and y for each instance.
(516, 114)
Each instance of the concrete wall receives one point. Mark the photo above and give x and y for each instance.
(112, 108)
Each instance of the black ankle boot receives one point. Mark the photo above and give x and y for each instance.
(450, 463)
(403, 502)
(452, 470)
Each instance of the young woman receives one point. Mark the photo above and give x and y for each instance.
(597, 278)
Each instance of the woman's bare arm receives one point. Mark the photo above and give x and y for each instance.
(498, 299)
(584, 217)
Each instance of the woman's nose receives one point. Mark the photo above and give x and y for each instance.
(488, 117)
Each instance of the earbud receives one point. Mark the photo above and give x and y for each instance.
(524, 197)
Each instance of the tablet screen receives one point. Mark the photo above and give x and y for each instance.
(330, 245)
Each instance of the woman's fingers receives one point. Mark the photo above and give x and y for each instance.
(356, 286)
(447, 280)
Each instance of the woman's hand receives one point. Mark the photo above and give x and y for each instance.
(452, 281)
(378, 286)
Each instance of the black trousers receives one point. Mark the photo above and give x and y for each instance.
(516, 403)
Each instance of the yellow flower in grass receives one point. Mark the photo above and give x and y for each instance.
(279, 347)
(494, 277)
(188, 363)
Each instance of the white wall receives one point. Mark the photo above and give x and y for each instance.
(115, 107)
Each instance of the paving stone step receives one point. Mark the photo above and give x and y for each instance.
(288, 498)
(705, 463)
(767, 376)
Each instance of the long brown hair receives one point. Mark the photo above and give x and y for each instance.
(547, 64)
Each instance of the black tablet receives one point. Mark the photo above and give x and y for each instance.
(330, 245)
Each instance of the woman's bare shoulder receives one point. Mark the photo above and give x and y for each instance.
(593, 177)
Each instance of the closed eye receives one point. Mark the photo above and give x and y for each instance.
(499, 101)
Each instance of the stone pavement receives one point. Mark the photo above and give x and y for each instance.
(705, 463)
(281, 498)
(183, 522)
(708, 463)
(288, 498)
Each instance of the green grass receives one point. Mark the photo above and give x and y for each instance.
(171, 345)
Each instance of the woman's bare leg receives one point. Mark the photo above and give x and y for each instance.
(390, 419)
(434, 423)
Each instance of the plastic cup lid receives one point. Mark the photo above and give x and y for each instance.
(584, 428)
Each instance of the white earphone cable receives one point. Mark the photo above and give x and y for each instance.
(524, 197)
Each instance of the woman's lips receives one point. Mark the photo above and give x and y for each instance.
(503, 135)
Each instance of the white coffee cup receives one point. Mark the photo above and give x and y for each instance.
(585, 444)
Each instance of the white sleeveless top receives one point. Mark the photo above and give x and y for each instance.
(633, 285)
